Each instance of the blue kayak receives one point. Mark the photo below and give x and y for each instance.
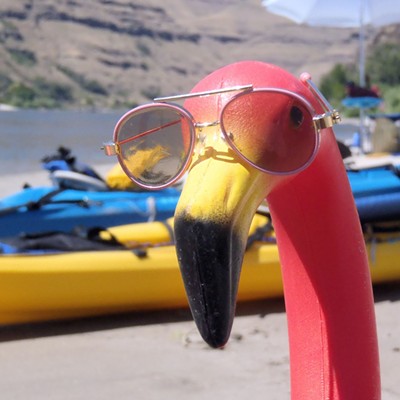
(377, 193)
(79, 197)
(379, 208)
(42, 209)
(374, 181)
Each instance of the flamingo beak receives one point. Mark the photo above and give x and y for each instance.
(212, 220)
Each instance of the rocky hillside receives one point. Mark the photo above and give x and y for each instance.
(116, 53)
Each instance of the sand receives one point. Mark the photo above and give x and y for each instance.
(159, 355)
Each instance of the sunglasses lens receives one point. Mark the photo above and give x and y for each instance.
(155, 144)
(272, 130)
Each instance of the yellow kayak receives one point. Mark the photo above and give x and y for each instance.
(79, 284)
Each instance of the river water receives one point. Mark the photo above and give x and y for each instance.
(26, 136)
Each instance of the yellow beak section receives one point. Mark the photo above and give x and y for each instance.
(212, 221)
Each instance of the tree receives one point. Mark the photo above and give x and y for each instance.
(383, 64)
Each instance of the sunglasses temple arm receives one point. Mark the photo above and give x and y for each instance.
(331, 116)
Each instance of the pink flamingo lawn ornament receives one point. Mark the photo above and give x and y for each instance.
(251, 131)
(265, 152)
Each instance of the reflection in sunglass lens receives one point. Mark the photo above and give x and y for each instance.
(272, 130)
(152, 146)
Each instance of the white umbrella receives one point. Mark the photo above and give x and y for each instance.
(339, 13)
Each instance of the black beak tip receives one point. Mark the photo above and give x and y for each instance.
(210, 258)
(216, 342)
(217, 334)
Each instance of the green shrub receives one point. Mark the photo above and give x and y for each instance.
(383, 64)
(53, 90)
(23, 57)
(151, 92)
(91, 85)
(94, 86)
(19, 95)
(391, 97)
(143, 49)
(39, 94)
(333, 86)
(5, 83)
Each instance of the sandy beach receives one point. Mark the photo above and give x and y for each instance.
(159, 355)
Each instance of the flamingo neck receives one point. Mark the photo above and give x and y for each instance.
(328, 295)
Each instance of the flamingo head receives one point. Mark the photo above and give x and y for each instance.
(251, 131)
(269, 138)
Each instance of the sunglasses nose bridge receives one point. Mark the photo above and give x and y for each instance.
(209, 138)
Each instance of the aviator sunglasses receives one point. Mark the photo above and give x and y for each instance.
(274, 130)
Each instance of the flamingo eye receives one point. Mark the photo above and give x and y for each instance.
(296, 116)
